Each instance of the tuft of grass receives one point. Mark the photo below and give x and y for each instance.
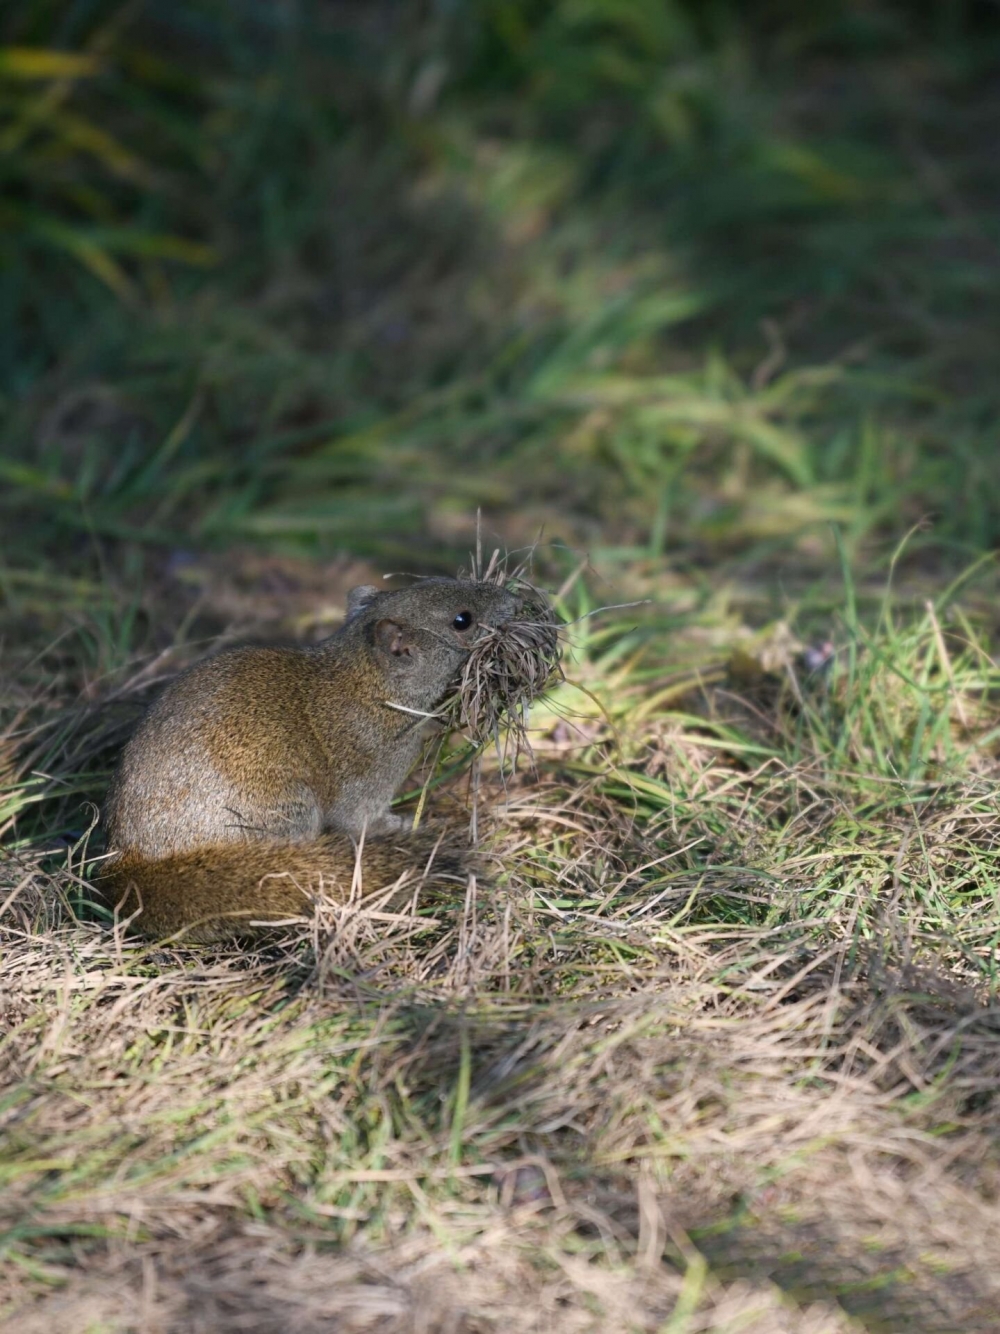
(509, 666)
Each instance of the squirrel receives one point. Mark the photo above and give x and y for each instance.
(261, 773)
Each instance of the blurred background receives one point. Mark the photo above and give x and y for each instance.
(682, 284)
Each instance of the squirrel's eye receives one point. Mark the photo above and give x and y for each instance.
(463, 620)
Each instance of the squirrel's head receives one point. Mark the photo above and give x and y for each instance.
(421, 635)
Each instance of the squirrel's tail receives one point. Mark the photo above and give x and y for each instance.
(229, 889)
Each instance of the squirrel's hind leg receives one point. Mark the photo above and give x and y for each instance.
(293, 818)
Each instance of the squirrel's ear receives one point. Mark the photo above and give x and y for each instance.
(392, 638)
(359, 598)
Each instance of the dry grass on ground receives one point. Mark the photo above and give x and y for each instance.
(717, 1051)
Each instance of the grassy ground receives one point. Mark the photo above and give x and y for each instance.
(705, 296)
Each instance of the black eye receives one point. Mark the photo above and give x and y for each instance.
(463, 620)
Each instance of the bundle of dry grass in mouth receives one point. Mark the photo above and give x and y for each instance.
(508, 666)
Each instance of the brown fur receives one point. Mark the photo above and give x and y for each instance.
(229, 889)
(251, 778)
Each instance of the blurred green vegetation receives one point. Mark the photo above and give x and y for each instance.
(668, 278)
